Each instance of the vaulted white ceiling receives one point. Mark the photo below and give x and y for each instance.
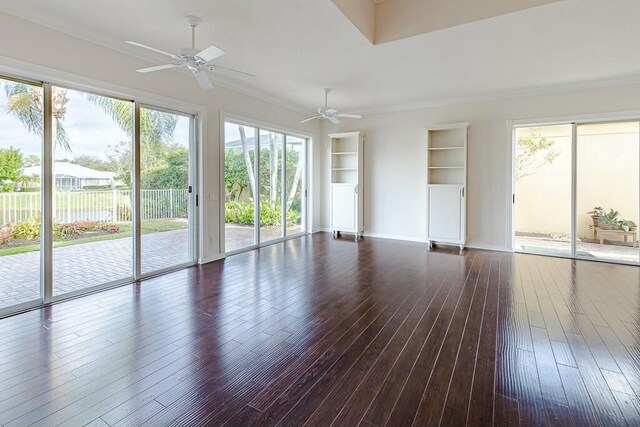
(298, 47)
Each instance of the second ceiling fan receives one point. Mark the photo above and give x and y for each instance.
(330, 114)
(195, 60)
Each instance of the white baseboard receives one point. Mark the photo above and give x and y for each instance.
(321, 230)
(395, 237)
(488, 247)
(421, 240)
(211, 259)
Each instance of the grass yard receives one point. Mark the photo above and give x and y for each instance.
(149, 226)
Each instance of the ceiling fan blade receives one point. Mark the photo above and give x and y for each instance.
(310, 118)
(331, 111)
(349, 115)
(157, 68)
(210, 53)
(333, 120)
(153, 49)
(231, 72)
(203, 80)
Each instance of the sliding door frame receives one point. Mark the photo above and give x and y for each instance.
(575, 122)
(197, 114)
(261, 126)
(193, 209)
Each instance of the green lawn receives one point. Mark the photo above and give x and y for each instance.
(148, 227)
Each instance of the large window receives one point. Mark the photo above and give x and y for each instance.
(577, 190)
(69, 181)
(264, 181)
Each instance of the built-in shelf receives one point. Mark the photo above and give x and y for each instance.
(347, 202)
(446, 183)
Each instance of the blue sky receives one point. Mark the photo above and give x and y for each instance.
(91, 131)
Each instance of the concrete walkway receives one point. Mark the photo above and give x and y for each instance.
(85, 265)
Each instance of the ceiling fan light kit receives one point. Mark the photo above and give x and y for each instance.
(331, 114)
(195, 60)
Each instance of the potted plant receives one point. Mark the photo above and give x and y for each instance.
(609, 221)
(627, 225)
(596, 213)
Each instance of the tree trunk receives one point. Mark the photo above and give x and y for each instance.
(247, 161)
(296, 180)
(273, 169)
(54, 135)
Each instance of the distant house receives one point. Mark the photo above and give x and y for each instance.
(74, 177)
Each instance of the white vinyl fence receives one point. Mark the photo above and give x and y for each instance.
(99, 205)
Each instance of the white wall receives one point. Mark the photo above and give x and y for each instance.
(35, 46)
(395, 159)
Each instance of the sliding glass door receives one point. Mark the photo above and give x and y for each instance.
(264, 181)
(166, 190)
(240, 147)
(607, 187)
(72, 165)
(542, 178)
(577, 190)
(295, 184)
(21, 142)
(92, 238)
(270, 184)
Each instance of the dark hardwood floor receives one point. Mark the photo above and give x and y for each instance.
(318, 331)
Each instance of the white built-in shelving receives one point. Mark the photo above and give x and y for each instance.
(347, 203)
(446, 183)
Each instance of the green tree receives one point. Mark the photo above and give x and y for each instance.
(32, 160)
(159, 153)
(236, 178)
(533, 152)
(175, 174)
(11, 163)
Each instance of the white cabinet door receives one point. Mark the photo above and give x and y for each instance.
(445, 213)
(343, 207)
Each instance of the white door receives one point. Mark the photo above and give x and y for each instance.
(343, 207)
(445, 213)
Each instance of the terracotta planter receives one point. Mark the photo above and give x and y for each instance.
(605, 227)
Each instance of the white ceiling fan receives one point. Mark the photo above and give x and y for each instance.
(331, 114)
(195, 60)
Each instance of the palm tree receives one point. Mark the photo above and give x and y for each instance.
(156, 127)
(26, 103)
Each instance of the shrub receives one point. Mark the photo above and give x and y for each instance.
(242, 213)
(111, 228)
(239, 212)
(62, 231)
(28, 229)
(6, 236)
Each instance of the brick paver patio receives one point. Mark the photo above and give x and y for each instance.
(85, 265)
